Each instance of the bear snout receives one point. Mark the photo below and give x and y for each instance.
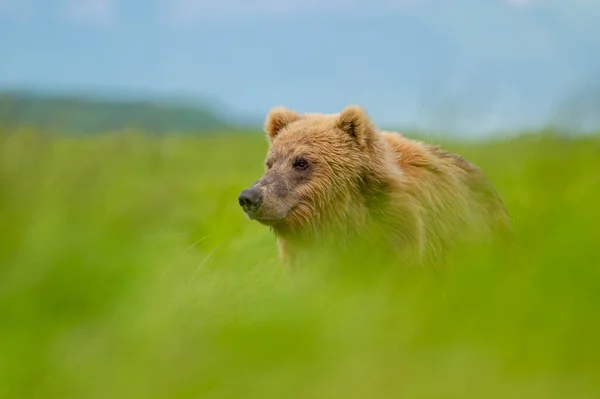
(250, 199)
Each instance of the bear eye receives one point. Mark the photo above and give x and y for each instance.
(300, 164)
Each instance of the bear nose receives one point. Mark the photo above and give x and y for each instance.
(250, 198)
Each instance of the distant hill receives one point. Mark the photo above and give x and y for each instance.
(89, 114)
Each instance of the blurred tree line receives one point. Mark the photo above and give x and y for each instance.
(79, 114)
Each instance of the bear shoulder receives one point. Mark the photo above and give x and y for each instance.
(410, 154)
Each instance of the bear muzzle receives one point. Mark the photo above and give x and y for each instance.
(250, 199)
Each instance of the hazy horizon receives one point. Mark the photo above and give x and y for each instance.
(472, 66)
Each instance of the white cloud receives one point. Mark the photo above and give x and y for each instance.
(97, 13)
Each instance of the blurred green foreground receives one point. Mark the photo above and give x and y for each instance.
(128, 270)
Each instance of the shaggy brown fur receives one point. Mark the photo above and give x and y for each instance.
(335, 179)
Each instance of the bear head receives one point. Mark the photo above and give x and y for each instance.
(317, 170)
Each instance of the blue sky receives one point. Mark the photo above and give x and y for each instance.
(470, 65)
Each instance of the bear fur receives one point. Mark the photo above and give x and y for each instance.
(334, 180)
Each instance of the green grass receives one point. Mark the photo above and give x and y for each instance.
(127, 270)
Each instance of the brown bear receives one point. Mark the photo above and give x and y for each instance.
(332, 180)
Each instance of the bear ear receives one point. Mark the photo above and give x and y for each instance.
(278, 118)
(354, 121)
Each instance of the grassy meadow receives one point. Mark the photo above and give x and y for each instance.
(128, 270)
